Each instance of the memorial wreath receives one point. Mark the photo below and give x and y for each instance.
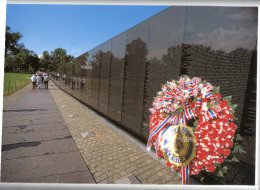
(191, 126)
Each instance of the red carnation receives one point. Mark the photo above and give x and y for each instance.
(226, 152)
(210, 168)
(212, 135)
(168, 164)
(232, 125)
(218, 96)
(228, 143)
(229, 116)
(159, 153)
(220, 160)
(202, 156)
(223, 103)
(198, 167)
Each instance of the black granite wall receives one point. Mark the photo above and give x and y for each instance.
(227, 70)
(216, 43)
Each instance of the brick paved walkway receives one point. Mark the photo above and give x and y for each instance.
(48, 136)
(108, 152)
(37, 145)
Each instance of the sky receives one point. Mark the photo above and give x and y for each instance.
(76, 28)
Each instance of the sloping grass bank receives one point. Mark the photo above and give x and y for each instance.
(15, 81)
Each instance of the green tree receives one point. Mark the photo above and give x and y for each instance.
(46, 61)
(22, 58)
(17, 57)
(34, 62)
(27, 61)
(59, 58)
(11, 42)
(10, 64)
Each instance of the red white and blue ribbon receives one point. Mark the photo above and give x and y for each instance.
(185, 173)
(182, 120)
(157, 130)
(189, 113)
(185, 169)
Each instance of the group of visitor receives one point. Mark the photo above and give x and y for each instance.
(39, 78)
(75, 82)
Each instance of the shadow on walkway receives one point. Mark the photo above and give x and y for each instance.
(37, 145)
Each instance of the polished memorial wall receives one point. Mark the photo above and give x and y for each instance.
(120, 77)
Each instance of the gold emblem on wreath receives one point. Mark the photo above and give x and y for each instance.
(179, 144)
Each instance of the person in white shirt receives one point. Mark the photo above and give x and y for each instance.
(38, 81)
(33, 79)
(46, 80)
(58, 76)
(64, 78)
(82, 83)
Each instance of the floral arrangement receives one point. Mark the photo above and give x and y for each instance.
(199, 105)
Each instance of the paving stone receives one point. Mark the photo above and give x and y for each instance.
(103, 182)
(39, 166)
(42, 148)
(28, 111)
(8, 117)
(31, 121)
(30, 135)
(37, 145)
(87, 134)
(131, 179)
(113, 153)
(98, 174)
(73, 177)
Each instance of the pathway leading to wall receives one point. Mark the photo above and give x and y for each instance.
(48, 136)
(37, 145)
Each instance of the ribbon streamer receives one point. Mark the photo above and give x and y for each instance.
(156, 131)
(185, 175)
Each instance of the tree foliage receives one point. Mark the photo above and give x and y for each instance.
(20, 59)
(11, 42)
(55, 60)
(59, 58)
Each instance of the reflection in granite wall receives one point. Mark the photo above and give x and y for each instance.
(165, 36)
(158, 72)
(88, 84)
(221, 41)
(95, 80)
(215, 43)
(248, 123)
(227, 70)
(88, 76)
(134, 75)
(104, 81)
(116, 88)
(82, 62)
(116, 77)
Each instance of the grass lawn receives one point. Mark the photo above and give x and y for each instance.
(15, 81)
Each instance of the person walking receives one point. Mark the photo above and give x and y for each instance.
(58, 76)
(64, 78)
(73, 82)
(82, 83)
(33, 79)
(38, 81)
(46, 80)
(42, 76)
